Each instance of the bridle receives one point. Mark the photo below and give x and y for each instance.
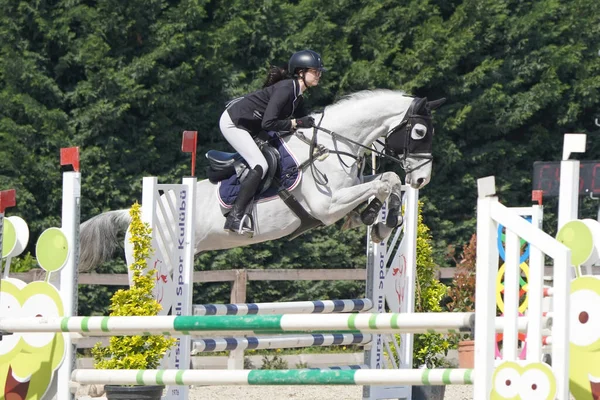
(389, 152)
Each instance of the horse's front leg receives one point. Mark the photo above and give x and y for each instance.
(393, 218)
(369, 214)
(347, 199)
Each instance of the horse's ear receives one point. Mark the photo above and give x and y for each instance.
(432, 105)
(420, 105)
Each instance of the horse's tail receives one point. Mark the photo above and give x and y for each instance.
(99, 239)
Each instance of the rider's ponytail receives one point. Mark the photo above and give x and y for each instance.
(274, 75)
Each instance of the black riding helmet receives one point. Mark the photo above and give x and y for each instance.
(305, 59)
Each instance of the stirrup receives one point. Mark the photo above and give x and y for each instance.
(242, 229)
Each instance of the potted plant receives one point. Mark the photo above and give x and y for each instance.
(462, 299)
(135, 352)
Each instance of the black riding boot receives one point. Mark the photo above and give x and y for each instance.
(247, 191)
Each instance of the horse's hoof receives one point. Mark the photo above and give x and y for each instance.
(375, 235)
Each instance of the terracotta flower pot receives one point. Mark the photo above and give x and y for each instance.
(466, 354)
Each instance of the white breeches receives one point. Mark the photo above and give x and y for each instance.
(242, 142)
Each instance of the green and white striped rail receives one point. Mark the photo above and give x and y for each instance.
(249, 324)
(275, 377)
(252, 324)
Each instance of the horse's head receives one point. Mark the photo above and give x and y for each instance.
(412, 141)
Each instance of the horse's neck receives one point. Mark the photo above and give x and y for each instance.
(364, 120)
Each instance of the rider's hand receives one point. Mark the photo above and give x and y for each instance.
(305, 122)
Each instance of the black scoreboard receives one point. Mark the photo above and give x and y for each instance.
(546, 177)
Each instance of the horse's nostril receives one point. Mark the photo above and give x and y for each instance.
(420, 181)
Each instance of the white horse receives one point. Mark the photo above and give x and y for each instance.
(331, 187)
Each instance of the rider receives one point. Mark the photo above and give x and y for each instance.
(278, 106)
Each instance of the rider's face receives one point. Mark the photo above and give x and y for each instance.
(312, 76)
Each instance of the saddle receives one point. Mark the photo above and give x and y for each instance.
(223, 166)
(228, 171)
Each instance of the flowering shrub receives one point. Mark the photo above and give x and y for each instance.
(135, 352)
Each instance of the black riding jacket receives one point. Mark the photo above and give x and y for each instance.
(269, 109)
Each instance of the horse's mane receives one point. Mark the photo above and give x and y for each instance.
(363, 94)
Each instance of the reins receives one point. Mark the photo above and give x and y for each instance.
(317, 151)
(401, 161)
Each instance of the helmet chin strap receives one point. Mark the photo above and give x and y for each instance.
(303, 78)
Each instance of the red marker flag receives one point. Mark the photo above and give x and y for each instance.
(188, 145)
(8, 198)
(70, 156)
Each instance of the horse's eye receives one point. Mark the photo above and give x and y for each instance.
(418, 132)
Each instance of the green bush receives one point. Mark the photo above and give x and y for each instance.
(23, 263)
(135, 352)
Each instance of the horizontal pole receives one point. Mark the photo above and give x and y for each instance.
(252, 324)
(229, 275)
(328, 274)
(294, 307)
(214, 276)
(352, 274)
(275, 377)
(259, 324)
(277, 342)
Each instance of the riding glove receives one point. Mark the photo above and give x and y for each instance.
(305, 122)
